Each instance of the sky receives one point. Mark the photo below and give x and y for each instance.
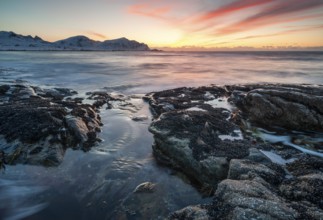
(192, 24)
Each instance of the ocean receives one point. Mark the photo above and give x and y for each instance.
(142, 72)
(99, 184)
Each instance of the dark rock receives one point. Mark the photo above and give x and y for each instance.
(308, 187)
(190, 140)
(140, 118)
(4, 89)
(245, 199)
(38, 125)
(306, 165)
(197, 131)
(191, 212)
(246, 169)
(192, 135)
(146, 187)
(181, 98)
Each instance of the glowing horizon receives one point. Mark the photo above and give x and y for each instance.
(172, 24)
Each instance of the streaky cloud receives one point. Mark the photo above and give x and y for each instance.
(280, 12)
(282, 32)
(231, 8)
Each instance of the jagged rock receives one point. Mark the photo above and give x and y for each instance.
(37, 125)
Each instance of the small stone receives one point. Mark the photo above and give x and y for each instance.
(140, 118)
(146, 187)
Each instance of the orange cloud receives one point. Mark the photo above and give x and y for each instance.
(148, 10)
(310, 28)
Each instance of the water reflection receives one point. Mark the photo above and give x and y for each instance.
(99, 184)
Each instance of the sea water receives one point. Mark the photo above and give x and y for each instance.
(99, 184)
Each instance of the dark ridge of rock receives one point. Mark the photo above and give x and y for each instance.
(38, 125)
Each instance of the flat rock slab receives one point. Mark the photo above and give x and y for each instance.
(38, 125)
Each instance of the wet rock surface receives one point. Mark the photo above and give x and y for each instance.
(38, 125)
(205, 132)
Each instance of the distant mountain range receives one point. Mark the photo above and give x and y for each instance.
(12, 41)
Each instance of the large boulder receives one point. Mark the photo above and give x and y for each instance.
(290, 106)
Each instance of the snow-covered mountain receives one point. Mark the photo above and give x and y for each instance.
(13, 41)
(76, 43)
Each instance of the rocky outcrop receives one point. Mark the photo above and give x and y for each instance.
(37, 125)
(206, 133)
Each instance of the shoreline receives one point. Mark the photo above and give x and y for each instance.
(196, 130)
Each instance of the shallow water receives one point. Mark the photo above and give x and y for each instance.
(99, 184)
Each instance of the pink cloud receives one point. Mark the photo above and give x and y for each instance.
(280, 12)
(148, 10)
(231, 8)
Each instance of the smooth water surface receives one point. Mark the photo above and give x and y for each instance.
(141, 72)
(99, 184)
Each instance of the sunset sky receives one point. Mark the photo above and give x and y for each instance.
(172, 23)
